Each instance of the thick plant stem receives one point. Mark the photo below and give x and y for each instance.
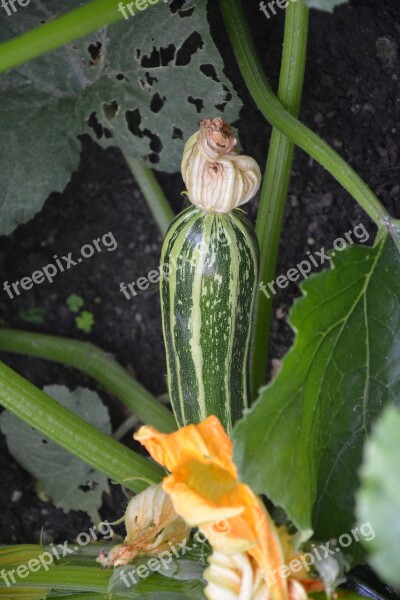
(92, 361)
(277, 179)
(67, 28)
(152, 192)
(88, 580)
(64, 577)
(279, 117)
(59, 424)
(62, 30)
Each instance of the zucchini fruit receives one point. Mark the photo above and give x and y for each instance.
(209, 268)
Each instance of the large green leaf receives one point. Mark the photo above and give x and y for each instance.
(70, 483)
(378, 500)
(141, 85)
(327, 5)
(302, 442)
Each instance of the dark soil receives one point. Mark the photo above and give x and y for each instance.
(351, 98)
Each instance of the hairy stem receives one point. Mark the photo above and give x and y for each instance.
(92, 361)
(285, 122)
(277, 179)
(153, 193)
(59, 424)
(67, 28)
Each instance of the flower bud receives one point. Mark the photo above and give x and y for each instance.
(236, 576)
(217, 178)
(152, 527)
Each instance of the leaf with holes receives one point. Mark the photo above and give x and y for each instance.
(301, 444)
(327, 5)
(71, 484)
(378, 500)
(141, 84)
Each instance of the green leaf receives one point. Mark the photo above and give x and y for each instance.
(71, 484)
(326, 5)
(127, 85)
(85, 321)
(75, 303)
(378, 500)
(301, 444)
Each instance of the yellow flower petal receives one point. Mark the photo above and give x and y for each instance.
(205, 490)
(206, 442)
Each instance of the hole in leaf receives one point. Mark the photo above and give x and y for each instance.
(154, 158)
(150, 80)
(159, 57)
(98, 128)
(228, 95)
(186, 13)
(133, 120)
(88, 486)
(189, 47)
(110, 110)
(209, 71)
(198, 102)
(177, 5)
(157, 103)
(221, 107)
(120, 77)
(177, 134)
(94, 51)
(155, 143)
(44, 442)
(95, 125)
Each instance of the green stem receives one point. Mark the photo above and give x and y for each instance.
(95, 579)
(279, 117)
(97, 364)
(67, 28)
(59, 424)
(277, 179)
(73, 578)
(128, 425)
(153, 193)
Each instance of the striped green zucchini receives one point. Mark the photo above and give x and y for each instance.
(209, 264)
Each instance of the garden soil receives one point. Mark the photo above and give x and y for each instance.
(351, 98)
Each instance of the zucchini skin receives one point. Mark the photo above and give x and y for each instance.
(210, 269)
